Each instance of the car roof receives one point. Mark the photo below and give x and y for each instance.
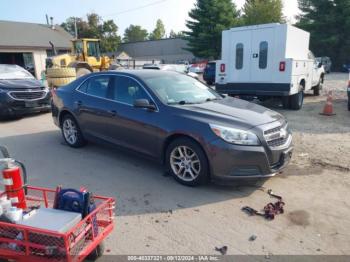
(140, 73)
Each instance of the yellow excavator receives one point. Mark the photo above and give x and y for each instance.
(85, 58)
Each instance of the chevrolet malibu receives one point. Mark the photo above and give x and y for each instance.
(196, 133)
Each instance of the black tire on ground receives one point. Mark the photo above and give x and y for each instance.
(297, 100)
(97, 252)
(79, 141)
(203, 174)
(209, 83)
(82, 72)
(318, 88)
(285, 102)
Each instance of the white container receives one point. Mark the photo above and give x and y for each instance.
(15, 214)
(5, 204)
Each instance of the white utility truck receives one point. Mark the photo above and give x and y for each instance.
(271, 60)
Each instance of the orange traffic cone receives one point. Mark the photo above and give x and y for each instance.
(328, 108)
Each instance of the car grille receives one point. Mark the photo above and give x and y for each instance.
(27, 95)
(277, 136)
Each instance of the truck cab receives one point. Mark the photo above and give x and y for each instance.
(271, 60)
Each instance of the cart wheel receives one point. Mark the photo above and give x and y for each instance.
(97, 252)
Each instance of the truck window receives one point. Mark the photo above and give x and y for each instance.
(264, 46)
(93, 49)
(239, 56)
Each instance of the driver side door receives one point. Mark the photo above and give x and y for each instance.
(134, 128)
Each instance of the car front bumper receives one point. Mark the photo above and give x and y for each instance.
(12, 107)
(229, 162)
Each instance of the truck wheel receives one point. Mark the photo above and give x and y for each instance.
(319, 87)
(285, 102)
(296, 101)
(82, 72)
(97, 252)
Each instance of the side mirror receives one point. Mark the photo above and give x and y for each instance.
(144, 103)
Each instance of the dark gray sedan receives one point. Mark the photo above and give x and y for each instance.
(196, 133)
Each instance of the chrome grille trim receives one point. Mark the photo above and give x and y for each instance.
(27, 95)
(278, 137)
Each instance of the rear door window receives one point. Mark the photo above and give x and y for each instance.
(239, 56)
(263, 52)
(126, 90)
(96, 86)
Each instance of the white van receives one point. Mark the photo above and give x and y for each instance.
(271, 60)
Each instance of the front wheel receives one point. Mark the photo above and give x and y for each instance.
(71, 132)
(187, 162)
(297, 100)
(97, 252)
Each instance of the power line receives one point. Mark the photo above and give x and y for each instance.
(137, 8)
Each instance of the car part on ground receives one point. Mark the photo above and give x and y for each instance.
(195, 132)
(21, 93)
(60, 72)
(270, 210)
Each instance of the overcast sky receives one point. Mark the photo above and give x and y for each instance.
(138, 12)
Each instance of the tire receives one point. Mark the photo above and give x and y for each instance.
(61, 72)
(97, 252)
(297, 100)
(69, 128)
(199, 167)
(318, 88)
(82, 71)
(57, 82)
(286, 102)
(209, 83)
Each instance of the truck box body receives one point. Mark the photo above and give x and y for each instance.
(271, 60)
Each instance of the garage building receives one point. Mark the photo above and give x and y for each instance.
(27, 44)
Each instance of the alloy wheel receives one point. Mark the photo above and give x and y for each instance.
(185, 163)
(70, 131)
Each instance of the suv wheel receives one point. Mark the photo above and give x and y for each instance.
(71, 132)
(187, 162)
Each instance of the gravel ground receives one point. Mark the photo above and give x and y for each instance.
(155, 215)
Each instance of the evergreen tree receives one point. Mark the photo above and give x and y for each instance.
(135, 33)
(328, 21)
(208, 19)
(257, 12)
(158, 32)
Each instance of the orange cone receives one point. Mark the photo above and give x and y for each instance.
(328, 108)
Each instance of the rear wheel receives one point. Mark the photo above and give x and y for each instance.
(187, 162)
(71, 132)
(319, 87)
(297, 100)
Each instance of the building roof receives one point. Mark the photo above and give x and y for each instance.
(30, 35)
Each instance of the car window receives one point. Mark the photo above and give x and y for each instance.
(127, 90)
(96, 86)
(239, 56)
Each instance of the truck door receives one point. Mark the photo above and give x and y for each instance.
(262, 63)
(240, 56)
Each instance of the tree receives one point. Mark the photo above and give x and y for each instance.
(328, 21)
(262, 12)
(158, 32)
(208, 19)
(135, 33)
(173, 34)
(95, 27)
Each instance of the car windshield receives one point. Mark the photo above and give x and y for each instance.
(176, 88)
(8, 72)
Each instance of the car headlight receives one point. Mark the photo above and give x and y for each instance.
(235, 136)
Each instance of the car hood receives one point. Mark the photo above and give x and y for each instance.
(233, 111)
(20, 84)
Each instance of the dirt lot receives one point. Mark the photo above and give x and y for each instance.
(156, 215)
